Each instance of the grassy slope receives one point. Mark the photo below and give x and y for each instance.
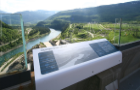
(98, 31)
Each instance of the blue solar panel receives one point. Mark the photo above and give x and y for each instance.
(47, 62)
(103, 48)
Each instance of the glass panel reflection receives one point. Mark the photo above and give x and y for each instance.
(126, 32)
(12, 58)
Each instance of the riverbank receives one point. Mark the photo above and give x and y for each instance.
(56, 38)
(5, 67)
(17, 63)
(31, 43)
(2, 53)
(48, 44)
(37, 37)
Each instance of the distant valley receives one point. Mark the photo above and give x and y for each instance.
(29, 17)
(129, 12)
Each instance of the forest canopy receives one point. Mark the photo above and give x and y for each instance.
(41, 30)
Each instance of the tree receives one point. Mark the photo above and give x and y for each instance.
(76, 31)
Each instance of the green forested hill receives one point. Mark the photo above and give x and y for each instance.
(57, 24)
(129, 11)
(9, 37)
(8, 33)
(2, 11)
(38, 31)
(36, 16)
(4, 25)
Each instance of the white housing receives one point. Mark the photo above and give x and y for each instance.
(65, 77)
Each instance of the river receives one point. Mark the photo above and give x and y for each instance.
(54, 33)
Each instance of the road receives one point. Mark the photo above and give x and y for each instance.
(104, 27)
(28, 30)
(70, 25)
(6, 69)
(92, 35)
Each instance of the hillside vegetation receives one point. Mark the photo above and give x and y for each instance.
(38, 32)
(57, 24)
(9, 37)
(98, 22)
(127, 11)
(78, 32)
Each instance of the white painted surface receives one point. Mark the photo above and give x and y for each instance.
(72, 61)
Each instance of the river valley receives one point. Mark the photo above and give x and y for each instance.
(54, 33)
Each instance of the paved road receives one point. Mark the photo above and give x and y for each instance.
(92, 35)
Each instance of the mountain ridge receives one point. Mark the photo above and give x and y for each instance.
(31, 17)
(128, 11)
(2, 11)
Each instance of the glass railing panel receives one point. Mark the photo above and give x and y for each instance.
(40, 37)
(40, 34)
(78, 32)
(117, 31)
(0, 31)
(109, 33)
(130, 33)
(126, 32)
(13, 56)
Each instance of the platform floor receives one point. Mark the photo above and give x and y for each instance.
(132, 82)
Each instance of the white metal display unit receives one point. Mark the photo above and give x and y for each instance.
(61, 66)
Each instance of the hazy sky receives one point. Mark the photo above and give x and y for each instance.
(32, 5)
